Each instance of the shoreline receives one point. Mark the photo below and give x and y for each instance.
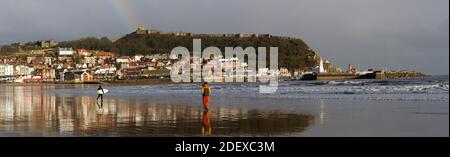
(169, 81)
(115, 82)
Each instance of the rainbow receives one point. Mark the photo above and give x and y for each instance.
(126, 13)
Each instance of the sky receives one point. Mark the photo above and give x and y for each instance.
(377, 34)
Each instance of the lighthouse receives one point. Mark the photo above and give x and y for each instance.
(320, 68)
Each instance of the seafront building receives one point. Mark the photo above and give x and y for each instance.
(65, 51)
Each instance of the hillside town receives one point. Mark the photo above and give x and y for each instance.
(83, 66)
(68, 65)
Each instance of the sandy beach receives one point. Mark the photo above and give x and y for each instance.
(175, 110)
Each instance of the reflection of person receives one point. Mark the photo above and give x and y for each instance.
(206, 91)
(206, 124)
(100, 94)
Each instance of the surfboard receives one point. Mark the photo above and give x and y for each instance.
(104, 90)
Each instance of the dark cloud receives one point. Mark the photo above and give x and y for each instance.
(392, 34)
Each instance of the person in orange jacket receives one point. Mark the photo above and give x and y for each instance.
(206, 91)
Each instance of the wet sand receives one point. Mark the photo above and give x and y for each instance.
(34, 111)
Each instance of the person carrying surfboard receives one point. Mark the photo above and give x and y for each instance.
(206, 91)
(100, 94)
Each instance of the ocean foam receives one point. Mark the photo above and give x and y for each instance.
(403, 89)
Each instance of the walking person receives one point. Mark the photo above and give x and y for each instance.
(206, 91)
(100, 93)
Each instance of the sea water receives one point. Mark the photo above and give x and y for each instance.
(397, 107)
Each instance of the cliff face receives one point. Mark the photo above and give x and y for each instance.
(292, 53)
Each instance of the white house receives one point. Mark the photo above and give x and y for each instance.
(122, 60)
(106, 70)
(65, 51)
(48, 60)
(151, 68)
(9, 70)
(60, 66)
(138, 57)
(23, 70)
(2, 69)
(90, 60)
(159, 56)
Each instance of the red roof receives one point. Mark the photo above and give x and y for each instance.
(104, 53)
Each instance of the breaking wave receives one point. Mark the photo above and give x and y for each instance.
(434, 88)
